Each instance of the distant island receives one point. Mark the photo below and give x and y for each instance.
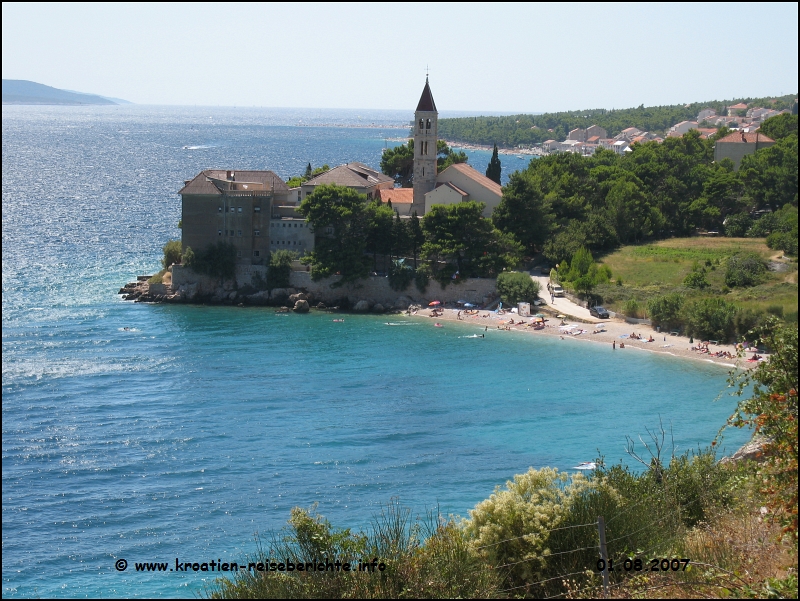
(20, 91)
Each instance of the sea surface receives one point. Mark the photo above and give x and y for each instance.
(153, 432)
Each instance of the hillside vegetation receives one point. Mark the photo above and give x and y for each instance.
(513, 130)
(696, 269)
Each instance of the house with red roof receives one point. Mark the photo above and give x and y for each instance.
(736, 145)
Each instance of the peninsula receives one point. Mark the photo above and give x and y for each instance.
(21, 91)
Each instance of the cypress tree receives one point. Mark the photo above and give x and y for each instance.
(493, 170)
(307, 174)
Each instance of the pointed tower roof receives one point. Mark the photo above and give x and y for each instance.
(426, 102)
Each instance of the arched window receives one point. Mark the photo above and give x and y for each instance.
(420, 124)
(428, 124)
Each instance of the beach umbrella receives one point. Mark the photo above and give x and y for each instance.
(461, 302)
(539, 315)
(469, 305)
(434, 303)
(561, 316)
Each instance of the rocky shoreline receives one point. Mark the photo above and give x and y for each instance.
(228, 293)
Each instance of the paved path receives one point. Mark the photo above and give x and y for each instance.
(562, 303)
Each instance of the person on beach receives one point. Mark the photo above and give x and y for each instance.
(621, 345)
(614, 345)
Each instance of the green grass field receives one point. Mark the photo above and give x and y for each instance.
(652, 269)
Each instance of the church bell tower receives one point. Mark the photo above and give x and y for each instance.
(426, 125)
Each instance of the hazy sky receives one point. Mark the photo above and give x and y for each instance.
(487, 56)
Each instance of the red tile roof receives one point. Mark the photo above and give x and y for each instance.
(397, 195)
(477, 177)
(746, 138)
(203, 182)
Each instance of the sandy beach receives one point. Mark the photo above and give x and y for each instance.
(615, 334)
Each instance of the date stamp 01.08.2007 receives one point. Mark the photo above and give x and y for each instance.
(636, 564)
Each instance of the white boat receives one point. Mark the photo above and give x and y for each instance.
(586, 465)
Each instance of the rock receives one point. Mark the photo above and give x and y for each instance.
(279, 295)
(296, 297)
(321, 306)
(753, 450)
(361, 306)
(378, 308)
(402, 303)
(232, 295)
(301, 306)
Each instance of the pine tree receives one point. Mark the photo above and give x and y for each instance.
(307, 174)
(494, 169)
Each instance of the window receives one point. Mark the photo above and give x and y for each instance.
(257, 232)
(240, 232)
(233, 209)
(420, 124)
(219, 232)
(240, 209)
(220, 209)
(239, 254)
(256, 209)
(428, 124)
(256, 253)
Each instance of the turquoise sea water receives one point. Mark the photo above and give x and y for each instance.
(198, 426)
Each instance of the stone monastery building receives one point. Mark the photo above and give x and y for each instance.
(257, 212)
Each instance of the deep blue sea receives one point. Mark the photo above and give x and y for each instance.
(146, 432)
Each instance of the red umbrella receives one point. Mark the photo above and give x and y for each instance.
(434, 303)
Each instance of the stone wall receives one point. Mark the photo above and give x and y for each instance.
(376, 290)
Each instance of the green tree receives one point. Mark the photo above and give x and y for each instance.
(515, 287)
(398, 163)
(446, 156)
(460, 234)
(711, 319)
(779, 127)
(339, 220)
(494, 169)
(744, 269)
(524, 211)
(416, 237)
(771, 410)
(308, 174)
(172, 253)
(280, 268)
(666, 310)
(380, 223)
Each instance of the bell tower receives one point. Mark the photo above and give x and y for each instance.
(426, 126)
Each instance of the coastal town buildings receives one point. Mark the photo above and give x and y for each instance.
(231, 206)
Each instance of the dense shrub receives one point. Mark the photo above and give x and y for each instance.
(665, 311)
(696, 279)
(744, 269)
(431, 558)
(515, 287)
(280, 268)
(172, 253)
(400, 277)
(736, 226)
(710, 319)
(421, 278)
